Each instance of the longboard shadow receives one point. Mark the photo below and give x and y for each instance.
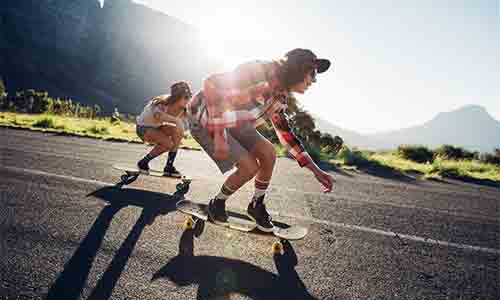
(226, 278)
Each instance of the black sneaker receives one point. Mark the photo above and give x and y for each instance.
(143, 166)
(171, 171)
(257, 211)
(217, 211)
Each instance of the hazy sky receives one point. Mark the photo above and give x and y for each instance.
(396, 63)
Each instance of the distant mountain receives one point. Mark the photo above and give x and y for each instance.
(470, 127)
(116, 55)
(351, 138)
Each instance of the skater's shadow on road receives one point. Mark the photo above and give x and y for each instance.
(73, 278)
(219, 277)
(370, 167)
(154, 203)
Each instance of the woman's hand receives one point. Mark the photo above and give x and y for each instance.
(221, 148)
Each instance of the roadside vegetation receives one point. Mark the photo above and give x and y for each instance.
(438, 163)
(37, 111)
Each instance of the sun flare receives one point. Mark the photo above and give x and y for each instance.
(232, 39)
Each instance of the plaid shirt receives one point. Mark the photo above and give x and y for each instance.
(251, 93)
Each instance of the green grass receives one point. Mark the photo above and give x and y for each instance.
(95, 128)
(348, 159)
(464, 169)
(440, 168)
(45, 122)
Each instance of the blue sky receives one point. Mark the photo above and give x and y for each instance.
(396, 63)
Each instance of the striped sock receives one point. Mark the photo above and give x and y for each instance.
(224, 193)
(171, 158)
(149, 157)
(260, 189)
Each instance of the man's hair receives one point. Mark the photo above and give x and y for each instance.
(292, 72)
(297, 63)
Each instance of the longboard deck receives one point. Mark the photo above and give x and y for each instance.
(240, 221)
(133, 170)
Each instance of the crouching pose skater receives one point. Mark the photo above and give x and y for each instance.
(224, 115)
(160, 124)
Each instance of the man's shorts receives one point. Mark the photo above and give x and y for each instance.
(241, 141)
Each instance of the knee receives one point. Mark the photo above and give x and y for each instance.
(179, 136)
(248, 170)
(166, 143)
(267, 158)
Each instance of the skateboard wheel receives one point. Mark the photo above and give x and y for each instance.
(277, 247)
(189, 223)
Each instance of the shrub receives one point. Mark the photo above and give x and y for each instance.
(419, 154)
(3, 89)
(455, 153)
(45, 122)
(352, 157)
(491, 158)
(314, 152)
(98, 130)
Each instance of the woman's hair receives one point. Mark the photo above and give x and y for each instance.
(177, 91)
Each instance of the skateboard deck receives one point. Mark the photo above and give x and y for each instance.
(240, 221)
(132, 172)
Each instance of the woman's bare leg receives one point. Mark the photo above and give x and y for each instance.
(163, 143)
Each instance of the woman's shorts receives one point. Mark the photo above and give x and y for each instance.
(241, 141)
(141, 130)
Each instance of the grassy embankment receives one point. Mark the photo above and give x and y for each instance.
(439, 168)
(104, 128)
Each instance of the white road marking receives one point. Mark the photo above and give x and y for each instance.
(280, 190)
(77, 179)
(400, 235)
(311, 219)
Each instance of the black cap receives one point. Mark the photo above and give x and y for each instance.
(306, 56)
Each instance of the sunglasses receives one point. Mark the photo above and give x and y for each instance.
(313, 75)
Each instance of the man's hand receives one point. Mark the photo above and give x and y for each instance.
(324, 178)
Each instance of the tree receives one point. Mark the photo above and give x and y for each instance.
(3, 89)
(304, 124)
(315, 138)
(330, 143)
(292, 106)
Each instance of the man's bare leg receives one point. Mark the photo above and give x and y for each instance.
(266, 156)
(246, 168)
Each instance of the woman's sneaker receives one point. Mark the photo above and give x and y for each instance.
(143, 166)
(257, 211)
(171, 171)
(217, 211)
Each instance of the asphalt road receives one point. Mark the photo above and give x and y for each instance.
(67, 232)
